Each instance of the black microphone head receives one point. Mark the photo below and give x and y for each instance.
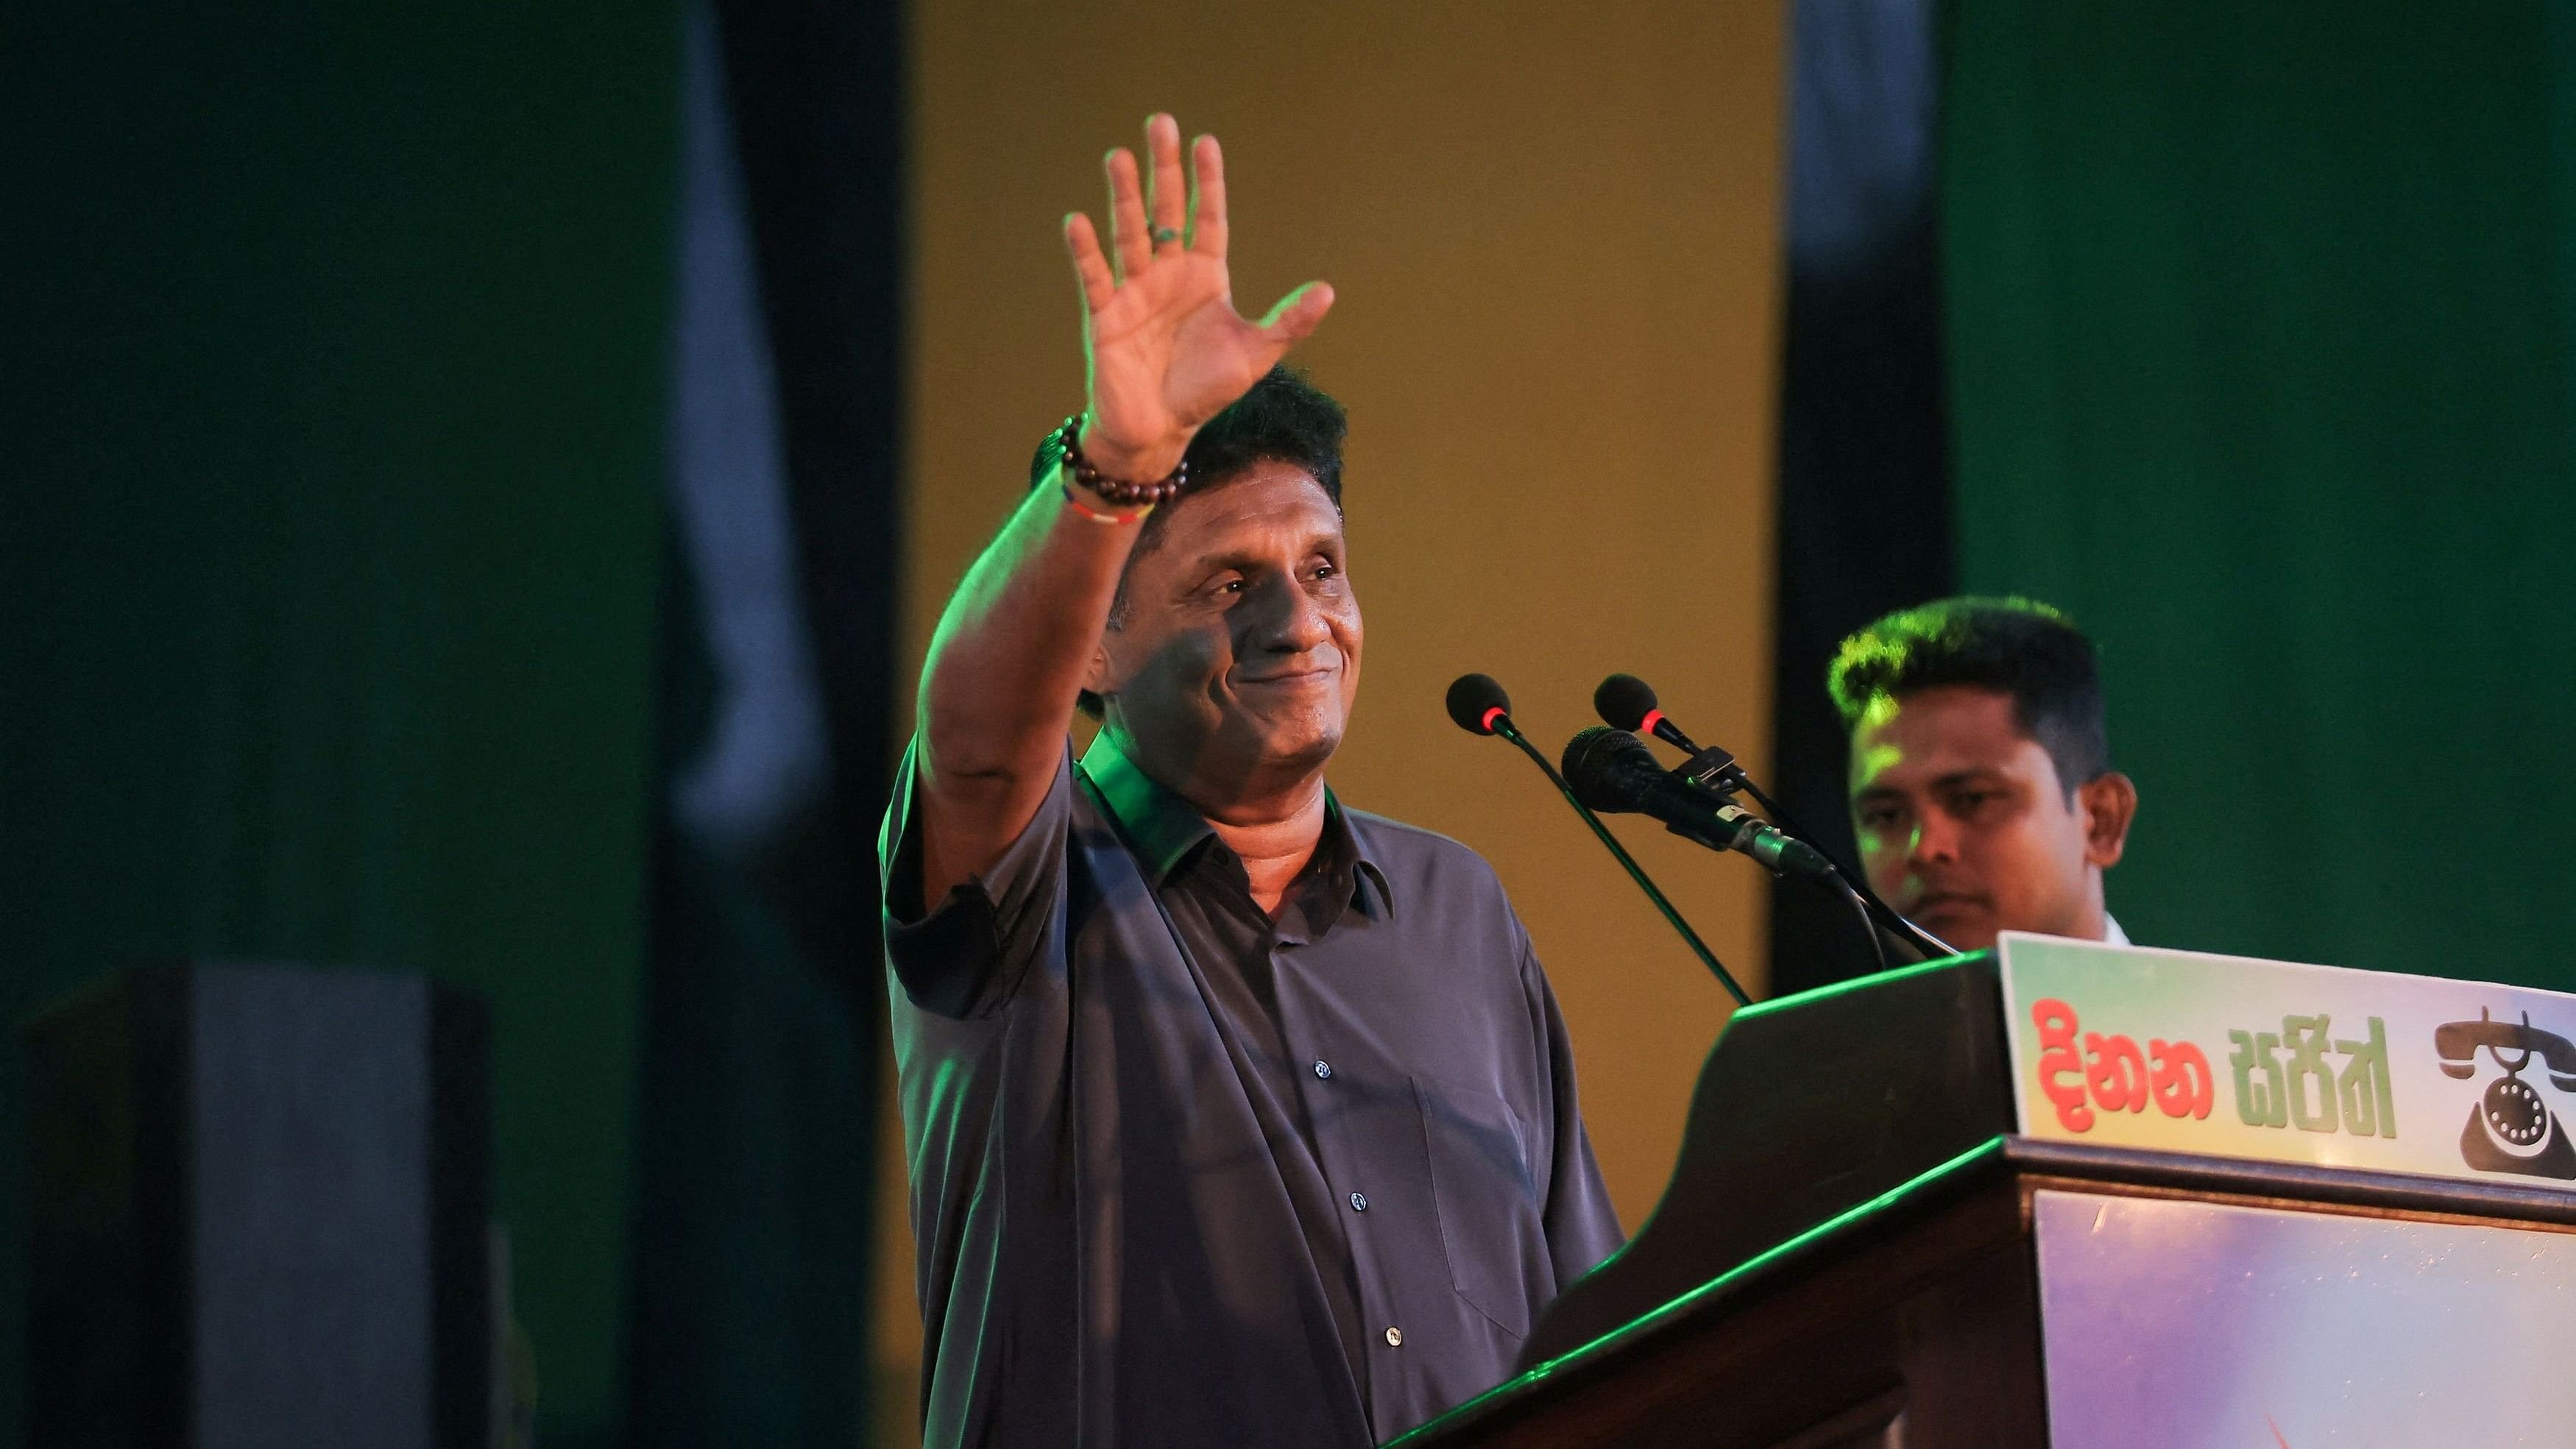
(1476, 701)
(1611, 771)
(1624, 701)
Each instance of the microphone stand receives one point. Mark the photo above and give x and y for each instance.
(1502, 725)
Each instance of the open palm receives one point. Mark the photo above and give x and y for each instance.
(1167, 349)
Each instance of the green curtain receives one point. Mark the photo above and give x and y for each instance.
(2259, 336)
(332, 357)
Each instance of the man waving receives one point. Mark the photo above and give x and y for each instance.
(1235, 1115)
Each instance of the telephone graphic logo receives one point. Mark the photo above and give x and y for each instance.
(2511, 1129)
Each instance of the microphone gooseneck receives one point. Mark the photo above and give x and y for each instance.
(1478, 705)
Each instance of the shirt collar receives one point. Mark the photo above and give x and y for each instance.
(2112, 935)
(1165, 829)
(1161, 826)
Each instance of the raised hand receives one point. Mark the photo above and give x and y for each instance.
(1167, 350)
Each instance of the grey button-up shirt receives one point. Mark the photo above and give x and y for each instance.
(1183, 1174)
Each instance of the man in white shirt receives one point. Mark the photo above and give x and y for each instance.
(1981, 784)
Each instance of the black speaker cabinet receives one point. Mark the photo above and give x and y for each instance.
(259, 1208)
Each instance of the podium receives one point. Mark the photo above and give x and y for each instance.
(2091, 1197)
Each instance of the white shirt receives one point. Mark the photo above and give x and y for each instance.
(2112, 935)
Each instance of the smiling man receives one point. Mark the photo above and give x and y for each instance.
(1981, 782)
(1235, 1115)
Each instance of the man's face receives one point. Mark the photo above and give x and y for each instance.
(1964, 826)
(1235, 658)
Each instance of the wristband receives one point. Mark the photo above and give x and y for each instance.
(1094, 514)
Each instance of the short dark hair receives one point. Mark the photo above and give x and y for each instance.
(1282, 419)
(2020, 647)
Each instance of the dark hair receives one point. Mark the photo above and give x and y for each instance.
(2019, 647)
(1282, 419)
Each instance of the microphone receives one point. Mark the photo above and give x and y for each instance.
(1613, 770)
(1479, 706)
(1477, 702)
(1626, 702)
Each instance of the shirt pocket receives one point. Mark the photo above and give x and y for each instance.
(1487, 1199)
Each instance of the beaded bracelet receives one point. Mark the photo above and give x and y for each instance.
(1066, 444)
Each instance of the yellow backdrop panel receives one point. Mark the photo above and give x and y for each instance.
(1554, 232)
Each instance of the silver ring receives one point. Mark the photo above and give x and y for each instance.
(1165, 236)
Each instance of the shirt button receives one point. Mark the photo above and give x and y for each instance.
(1359, 1202)
(1395, 1338)
(1323, 1070)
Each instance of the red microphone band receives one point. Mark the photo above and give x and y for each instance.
(1647, 725)
(1487, 723)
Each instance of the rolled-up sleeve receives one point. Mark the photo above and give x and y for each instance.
(965, 954)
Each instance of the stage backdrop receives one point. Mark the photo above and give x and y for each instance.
(2260, 340)
(332, 358)
(1554, 235)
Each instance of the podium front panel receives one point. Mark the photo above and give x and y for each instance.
(2173, 1324)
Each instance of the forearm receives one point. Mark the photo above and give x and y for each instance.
(1009, 656)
